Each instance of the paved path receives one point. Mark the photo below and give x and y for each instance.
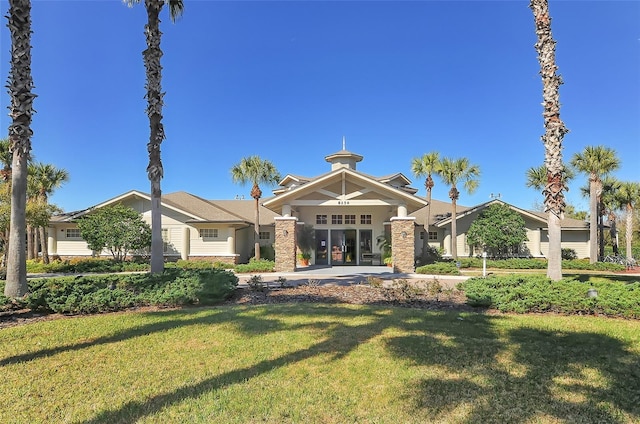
(346, 275)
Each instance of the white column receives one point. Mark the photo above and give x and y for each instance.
(186, 243)
(286, 210)
(231, 241)
(535, 243)
(52, 241)
(447, 242)
(402, 211)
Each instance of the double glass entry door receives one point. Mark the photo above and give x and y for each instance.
(340, 247)
(344, 247)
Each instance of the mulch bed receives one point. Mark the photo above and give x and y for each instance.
(328, 294)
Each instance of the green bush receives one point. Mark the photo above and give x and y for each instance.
(535, 263)
(439, 268)
(260, 265)
(101, 293)
(536, 293)
(85, 265)
(569, 254)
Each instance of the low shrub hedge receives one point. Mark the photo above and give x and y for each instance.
(260, 265)
(536, 293)
(102, 293)
(439, 268)
(84, 265)
(531, 263)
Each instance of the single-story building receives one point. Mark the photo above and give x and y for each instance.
(349, 212)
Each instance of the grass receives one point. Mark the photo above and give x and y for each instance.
(293, 363)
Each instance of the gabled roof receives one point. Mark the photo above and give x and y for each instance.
(196, 209)
(129, 195)
(439, 212)
(287, 196)
(567, 223)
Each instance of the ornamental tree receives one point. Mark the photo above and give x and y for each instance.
(498, 230)
(117, 229)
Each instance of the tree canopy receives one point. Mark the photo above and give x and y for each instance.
(118, 229)
(498, 230)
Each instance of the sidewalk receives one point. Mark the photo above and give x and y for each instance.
(347, 275)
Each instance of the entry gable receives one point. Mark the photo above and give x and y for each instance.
(344, 186)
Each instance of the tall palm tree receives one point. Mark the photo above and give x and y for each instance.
(21, 111)
(45, 179)
(555, 130)
(596, 162)
(537, 177)
(256, 171)
(453, 171)
(6, 158)
(628, 197)
(425, 166)
(154, 96)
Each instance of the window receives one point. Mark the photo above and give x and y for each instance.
(349, 219)
(433, 235)
(321, 219)
(265, 235)
(165, 240)
(336, 219)
(73, 233)
(207, 233)
(365, 219)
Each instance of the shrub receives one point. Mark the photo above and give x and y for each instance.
(260, 265)
(439, 268)
(100, 293)
(569, 254)
(536, 293)
(255, 283)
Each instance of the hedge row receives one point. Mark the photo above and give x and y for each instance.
(536, 293)
(100, 265)
(524, 263)
(102, 293)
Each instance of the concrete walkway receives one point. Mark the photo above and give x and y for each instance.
(347, 275)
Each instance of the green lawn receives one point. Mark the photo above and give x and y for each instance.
(304, 363)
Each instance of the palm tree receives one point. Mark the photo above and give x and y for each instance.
(21, 111)
(452, 171)
(256, 171)
(45, 178)
(5, 159)
(537, 177)
(154, 96)
(554, 133)
(423, 167)
(628, 197)
(596, 162)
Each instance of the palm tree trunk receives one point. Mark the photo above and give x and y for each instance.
(554, 133)
(454, 230)
(21, 110)
(155, 171)
(256, 230)
(629, 231)
(425, 247)
(43, 245)
(593, 221)
(29, 242)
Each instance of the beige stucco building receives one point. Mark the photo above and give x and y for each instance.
(349, 211)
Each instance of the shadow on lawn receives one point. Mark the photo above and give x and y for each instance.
(496, 373)
(521, 375)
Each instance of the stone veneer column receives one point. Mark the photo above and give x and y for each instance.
(403, 244)
(285, 244)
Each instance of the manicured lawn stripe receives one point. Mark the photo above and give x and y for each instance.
(320, 364)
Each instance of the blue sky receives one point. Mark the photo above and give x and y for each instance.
(286, 80)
